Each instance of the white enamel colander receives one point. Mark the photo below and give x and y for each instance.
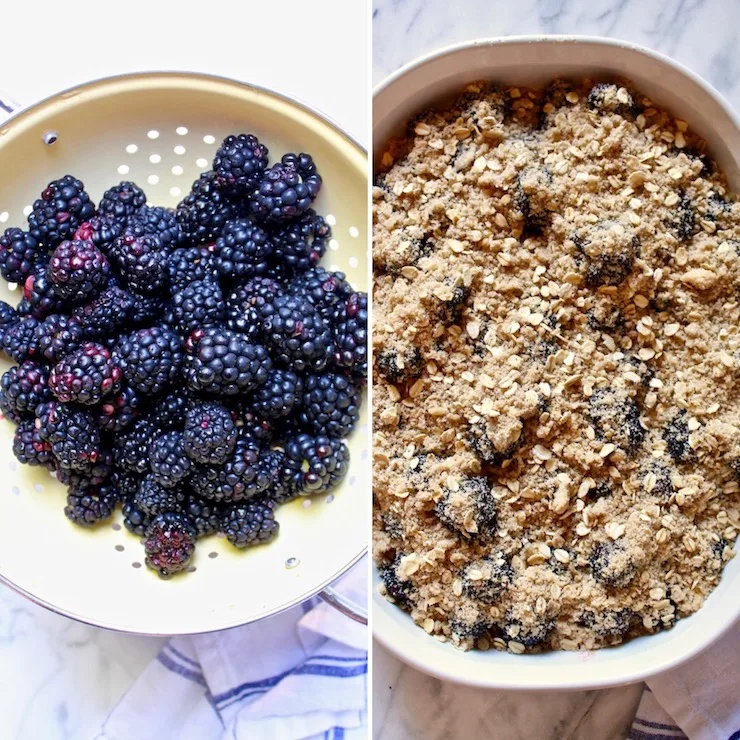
(161, 130)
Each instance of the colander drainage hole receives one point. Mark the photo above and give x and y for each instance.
(116, 527)
(136, 564)
(354, 231)
(181, 131)
(132, 148)
(329, 498)
(192, 568)
(38, 488)
(27, 210)
(123, 169)
(306, 503)
(208, 139)
(4, 216)
(153, 134)
(212, 555)
(333, 244)
(292, 563)
(155, 158)
(50, 137)
(202, 163)
(119, 548)
(16, 491)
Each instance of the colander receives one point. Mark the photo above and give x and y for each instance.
(161, 131)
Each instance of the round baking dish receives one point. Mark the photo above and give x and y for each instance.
(531, 60)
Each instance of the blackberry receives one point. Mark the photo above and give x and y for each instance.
(605, 99)
(205, 515)
(529, 635)
(315, 464)
(398, 590)
(296, 333)
(616, 418)
(400, 365)
(469, 623)
(219, 360)
(40, 294)
(105, 315)
(93, 474)
(58, 335)
(326, 290)
(153, 498)
(20, 252)
(146, 310)
(8, 316)
(155, 221)
(170, 543)
(29, 448)
(188, 264)
(126, 483)
(63, 206)
(169, 411)
(86, 375)
(250, 523)
(280, 490)
(131, 446)
(210, 434)
(260, 431)
(122, 200)
(611, 564)
(197, 305)
(330, 405)
(242, 476)
(350, 324)
(19, 340)
(203, 213)
(609, 623)
(470, 509)
(134, 519)
(86, 506)
(78, 270)
(486, 579)
(286, 189)
(167, 459)
(280, 394)
(244, 302)
(74, 438)
(300, 245)
(150, 359)
(142, 263)
(118, 412)
(102, 231)
(242, 250)
(24, 387)
(239, 163)
(490, 441)
(676, 436)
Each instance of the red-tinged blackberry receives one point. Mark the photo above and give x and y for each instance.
(243, 475)
(315, 464)
(242, 250)
(221, 361)
(210, 434)
(142, 262)
(170, 543)
(203, 213)
(146, 310)
(326, 290)
(156, 221)
(63, 206)
(86, 375)
(169, 411)
(20, 252)
(122, 200)
(58, 335)
(205, 515)
(134, 519)
(150, 359)
(19, 340)
(40, 293)
(280, 491)
(167, 459)
(86, 506)
(296, 334)
(239, 163)
(131, 446)
(330, 405)
(188, 264)
(350, 324)
(78, 270)
(24, 387)
(197, 305)
(29, 448)
(299, 245)
(102, 231)
(280, 394)
(250, 523)
(74, 438)
(286, 189)
(118, 412)
(93, 474)
(153, 498)
(105, 315)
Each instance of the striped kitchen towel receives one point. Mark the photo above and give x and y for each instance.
(300, 674)
(699, 700)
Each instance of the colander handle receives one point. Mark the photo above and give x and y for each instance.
(345, 606)
(8, 106)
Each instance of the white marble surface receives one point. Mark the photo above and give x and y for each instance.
(58, 678)
(702, 34)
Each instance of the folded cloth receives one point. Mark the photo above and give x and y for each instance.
(300, 674)
(699, 700)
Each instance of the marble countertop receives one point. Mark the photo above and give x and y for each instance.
(702, 35)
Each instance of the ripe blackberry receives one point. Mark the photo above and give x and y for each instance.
(315, 464)
(296, 334)
(219, 360)
(78, 270)
(105, 315)
(29, 448)
(118, 412)
(8, 316)
(326, 290)
(242, 250)
(20, 252)
(86, 506)
(611, 564)
(170, 410)
(210, 434)
(74, 438)
(155, 221)
(615, 418)
(150, 359)
(146, 310)
(350, 324)
(470, 508)
(243, 475)
(203, 213)
(205, 515)
(170, 543)
(19, 340)
(239, 163)
(188, 264)
(24, 387)
(486, 579)
(280, 490)
(122, 200)
(167, 459)
(398, 590)
(63, 206)
(280, 394)
(677, 438)
(142, 262)
(153, 498)
(529, 635)
(93, 474)
(286, 189)
(134, 519)
(85, 375)
(244, 302)
(300, 245)
(40, 293)
(330, 405)
(260, 431)
(125, 482)
(250, 523)
(131, 446)
(58, 335)
(197, 305)
(102, 231)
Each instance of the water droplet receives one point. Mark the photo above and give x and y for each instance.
(291, 563)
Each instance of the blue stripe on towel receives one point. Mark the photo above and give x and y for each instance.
(735, 735)
(338, 658)
(640, 735)
(338, 733)
(657, 725)
(181, 670)
(332, 671)
(182, 656)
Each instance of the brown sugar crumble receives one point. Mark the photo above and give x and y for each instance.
(556, 365)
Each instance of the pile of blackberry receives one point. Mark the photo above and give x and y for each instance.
(195, 366)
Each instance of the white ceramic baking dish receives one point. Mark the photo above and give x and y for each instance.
(532, 61)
